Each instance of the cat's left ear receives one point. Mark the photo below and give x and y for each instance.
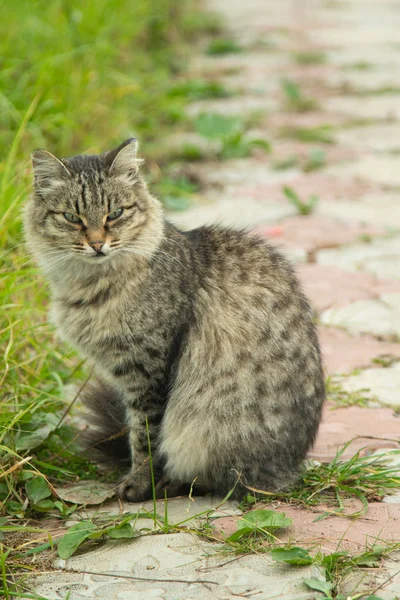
(123, 161)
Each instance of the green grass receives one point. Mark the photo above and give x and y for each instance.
(309, 58)
(76, 77)
(222, 45)
(295, 99)
(303, 207)
(322, 134)
(363, 478)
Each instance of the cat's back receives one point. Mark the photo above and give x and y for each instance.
(239, 258)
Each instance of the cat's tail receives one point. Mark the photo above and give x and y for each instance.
(105, 439)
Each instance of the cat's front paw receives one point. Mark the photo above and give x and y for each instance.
(134, 490)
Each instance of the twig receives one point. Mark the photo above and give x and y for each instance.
(16, 466)
(75, 398)
(133, 577)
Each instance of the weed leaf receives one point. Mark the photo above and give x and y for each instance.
(37, 489)
(42, 426)
(320, 586)
(124, 530)
(264, 519)
(261, 521)
(217, 126)
(74, 537)
(294, 556)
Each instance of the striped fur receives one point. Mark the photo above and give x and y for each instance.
(205, 334)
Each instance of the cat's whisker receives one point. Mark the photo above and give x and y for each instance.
(150, 255)
(157, 253)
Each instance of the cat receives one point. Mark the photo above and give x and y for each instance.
(203, 341)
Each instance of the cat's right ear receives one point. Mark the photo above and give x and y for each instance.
(49, 172)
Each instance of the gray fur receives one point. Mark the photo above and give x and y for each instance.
(206, 333)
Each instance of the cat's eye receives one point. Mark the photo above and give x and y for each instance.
(114, 215)
(72, 218)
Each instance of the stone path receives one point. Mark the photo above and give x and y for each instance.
(343, 56)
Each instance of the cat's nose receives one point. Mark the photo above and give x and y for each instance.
(97, 246)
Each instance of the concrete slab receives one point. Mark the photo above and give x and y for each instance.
(174, 566)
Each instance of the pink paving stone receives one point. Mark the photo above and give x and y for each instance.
(323, 185)
(343, 353)
(366, 427)
(313, 233)
(381, 522)
(329, 286)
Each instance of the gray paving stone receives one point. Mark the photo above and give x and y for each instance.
(378, 138)
(381, 169)
(376, 55)
(369, 80)
(182, 511)
(380, 317)
(237, 105)
(383, 384)
(239, 212)
(180, 558)
(380, 257)
(356, 36)
(380, 209)
(385, 577)
(371, 107)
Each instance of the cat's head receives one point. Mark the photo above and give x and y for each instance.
(91, 209)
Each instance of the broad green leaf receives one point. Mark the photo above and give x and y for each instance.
(15, 508)
(294, 556)
(122, 531)
(320, 586)
(3, 491)
(41, 426)
(264, 519)
(240, 533)
(74, 537)
(217, 126)
(37, 489)
(44, 505)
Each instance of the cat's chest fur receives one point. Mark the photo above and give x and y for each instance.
(110, 323)
(96, 321)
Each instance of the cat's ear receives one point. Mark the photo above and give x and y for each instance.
(48, 170)
(123, 161)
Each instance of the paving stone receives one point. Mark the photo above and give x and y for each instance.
(343, 353)
(312, 233)
(385, 579)
(382, 169)
(378, 137)
(190, 511)
(379, 317)
(259, 65)
(371, 107)
(380, 209)
(181, 558)
(381, 257)
(368, 81)
(353, 37)
(377, 56)
(237, 105)
(383, 384)
(244, 176)
(336, 533)
(367, 428)
(238, 212)
(328, 286)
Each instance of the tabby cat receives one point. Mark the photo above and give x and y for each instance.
(205, 335)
